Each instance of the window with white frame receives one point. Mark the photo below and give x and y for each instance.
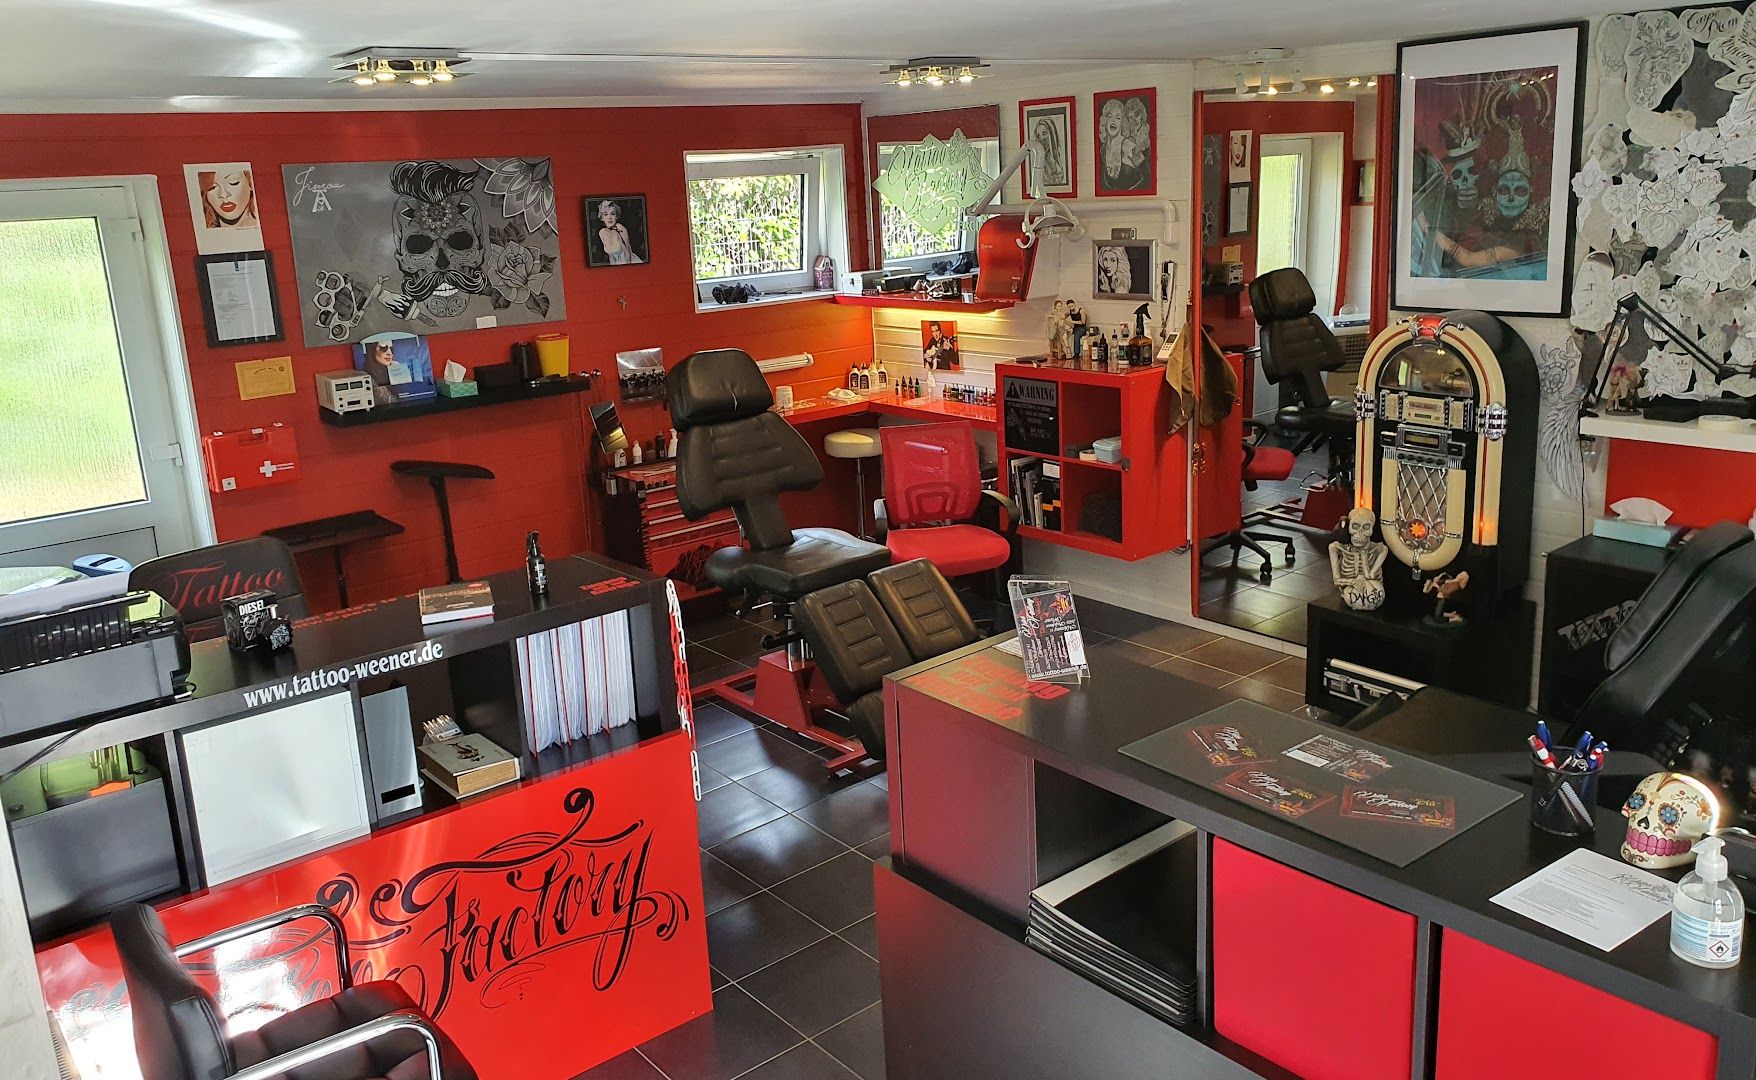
(904, 243)
(764, 217)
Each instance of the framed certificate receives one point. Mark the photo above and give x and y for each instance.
(238, 298)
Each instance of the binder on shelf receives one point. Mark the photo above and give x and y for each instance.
(1126, 921)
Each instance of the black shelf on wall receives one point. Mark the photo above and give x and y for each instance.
(546, 388)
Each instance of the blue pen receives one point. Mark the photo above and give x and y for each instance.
(1543, 734)
(1584, 743)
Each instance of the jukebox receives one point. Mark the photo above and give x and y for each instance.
(1445, 456)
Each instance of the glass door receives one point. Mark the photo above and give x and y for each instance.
(90, 459)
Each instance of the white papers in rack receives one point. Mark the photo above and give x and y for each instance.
(1599, 900)
(577, 680)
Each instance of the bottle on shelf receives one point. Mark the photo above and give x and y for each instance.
(672, 445)
(1100, 351)
(536, 568)
(1707, 912)
(658, 447)
(881, 376)
(854, 377)
(635, 453)
(1140, 345)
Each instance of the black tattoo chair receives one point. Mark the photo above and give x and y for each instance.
(733, 452)
(1297, 348)
(368, 1032)
(195, 581)
(861, 632)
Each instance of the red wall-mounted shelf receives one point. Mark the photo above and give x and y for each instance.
(903, 300)
(1152, 478)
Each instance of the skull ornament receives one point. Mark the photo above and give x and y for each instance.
(439, 245)
(1512, 193)
(1667, 813)
(1466, 182)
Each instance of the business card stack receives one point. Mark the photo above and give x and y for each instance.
(1126, 921)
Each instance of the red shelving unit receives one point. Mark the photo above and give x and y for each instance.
(1150, 481)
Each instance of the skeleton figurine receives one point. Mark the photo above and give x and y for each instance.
(1667, 813)
(1358, 565)
(1445, 588)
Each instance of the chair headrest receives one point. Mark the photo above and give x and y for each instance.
(715, 386)
(1668, 589)
(1282, 294)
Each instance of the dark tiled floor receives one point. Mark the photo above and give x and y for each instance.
(1237, 596)
(787, 857)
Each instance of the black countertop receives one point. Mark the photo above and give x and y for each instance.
(1082, 733)
(330, 646)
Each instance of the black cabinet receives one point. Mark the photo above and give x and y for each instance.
(1589, 588)
(1486, 659)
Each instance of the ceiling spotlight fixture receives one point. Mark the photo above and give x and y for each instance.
(1298, 86)
(1372, 82)
(1327, 88)
(1355, 81)
(383, 66)
(935, 71)
(1240, 85)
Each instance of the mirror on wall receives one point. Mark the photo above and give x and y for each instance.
(914, 223)
(1288, 191)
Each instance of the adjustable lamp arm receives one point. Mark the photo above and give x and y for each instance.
(1625, 308)
(1032, 151)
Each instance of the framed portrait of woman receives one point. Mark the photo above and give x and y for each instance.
(1051, 122)
(1126, 127)
(1123, 269)
(1487, 140)
(222, 203)
(615, 230)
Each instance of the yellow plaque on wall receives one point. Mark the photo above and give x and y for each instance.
(272, 377)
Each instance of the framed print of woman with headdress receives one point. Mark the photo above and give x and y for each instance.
(1488, 135)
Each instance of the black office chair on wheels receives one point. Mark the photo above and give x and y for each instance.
(1297, 348)
(368, 1032)
(733, 452)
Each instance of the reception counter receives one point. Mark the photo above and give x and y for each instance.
(547, 925)
(1311, 958)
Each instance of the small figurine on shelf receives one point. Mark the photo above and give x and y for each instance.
(1445, 588)
(1358, 565)
(1622, 394)
(1076, 317)
(1060, 329)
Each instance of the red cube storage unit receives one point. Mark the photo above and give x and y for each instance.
(1500, 1015)
(1149, 485)
(1316, 979)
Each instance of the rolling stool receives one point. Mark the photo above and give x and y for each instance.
(437, 472)
(856, 444)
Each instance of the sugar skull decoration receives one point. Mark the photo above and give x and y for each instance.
(1667, 813)
(440, 247)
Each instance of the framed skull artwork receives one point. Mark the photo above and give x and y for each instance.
(1487, 141)
(423, 246)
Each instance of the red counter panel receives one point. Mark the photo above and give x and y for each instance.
(546, 928)
(1487, 999)
(1316, 979)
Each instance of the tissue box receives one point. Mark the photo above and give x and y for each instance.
(1636, 532)
(467, 388)
(1108, 449)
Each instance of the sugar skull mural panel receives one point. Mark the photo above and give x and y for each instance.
(423, 246)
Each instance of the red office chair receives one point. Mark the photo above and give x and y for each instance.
(1261, 464)
(932, 489)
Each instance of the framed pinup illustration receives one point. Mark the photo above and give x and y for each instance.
(615, 230)
(1487, 139)
(1050, 121)
(1123, 269)
(1127, 142)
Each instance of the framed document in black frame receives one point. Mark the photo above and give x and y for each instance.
(238, 301)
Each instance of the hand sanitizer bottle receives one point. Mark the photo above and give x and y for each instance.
(1707, 911)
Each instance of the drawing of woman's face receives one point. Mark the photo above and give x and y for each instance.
(1045, 133)
(1112, 119)
(608, 213)
(229, 195)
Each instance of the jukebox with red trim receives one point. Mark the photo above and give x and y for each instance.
(1445, 456)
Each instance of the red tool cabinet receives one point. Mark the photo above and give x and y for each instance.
(646, 527)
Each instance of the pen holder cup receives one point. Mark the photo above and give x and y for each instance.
(1562, 802)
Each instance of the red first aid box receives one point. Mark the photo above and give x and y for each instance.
(253, 458)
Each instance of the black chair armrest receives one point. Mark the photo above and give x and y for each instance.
(378, 1027)
(280, 918)
(1008, 505)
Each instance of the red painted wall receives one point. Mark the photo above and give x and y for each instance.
(539, 450)
(1232, 320)
(1700, 486)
